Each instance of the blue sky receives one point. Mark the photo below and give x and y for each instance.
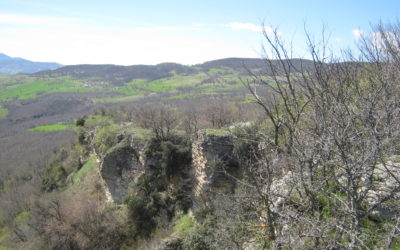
(188, 32)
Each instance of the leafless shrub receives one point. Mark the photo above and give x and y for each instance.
(161, 119)
(83, 224)
(330, 129)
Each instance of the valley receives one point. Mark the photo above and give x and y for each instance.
(32, 104)
(230, 154)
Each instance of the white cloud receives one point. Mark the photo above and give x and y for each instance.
(357, 33)
(92, 45)
(13, 19)
(78, 41)
(251, 27)
(245, 26)
(270, 31)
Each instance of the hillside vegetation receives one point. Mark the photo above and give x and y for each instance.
(40, 100)
(129, 81)
(281, 153)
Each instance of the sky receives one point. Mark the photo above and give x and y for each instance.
(129, 32)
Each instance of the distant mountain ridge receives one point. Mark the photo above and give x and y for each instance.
(14, 65)
(241, 64)
(118, 75)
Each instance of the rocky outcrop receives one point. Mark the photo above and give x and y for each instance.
(119, 167)
(214, 165)
(386, 185)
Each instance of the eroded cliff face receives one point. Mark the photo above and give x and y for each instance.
(118, 168)
(212, 168)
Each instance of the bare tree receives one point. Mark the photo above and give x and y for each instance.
(160, 118)
(332, 123)
(220, 113)
(78, 224)
(191, 119)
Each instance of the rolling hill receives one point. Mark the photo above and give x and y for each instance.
(66, 93)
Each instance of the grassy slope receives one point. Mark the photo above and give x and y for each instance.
(3, 112)
(82, 173)
(172, 83)
(53, 127)
(34, 88)
(30, 88)
(174, 87)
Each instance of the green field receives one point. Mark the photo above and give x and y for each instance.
(3, 112)
(117, 99)
(215, 71)
(180, 96)
(36, 88)
(30, 88)
(127, 91)
(172, 83)
(72, 89)
(177, 86)
(54, 127)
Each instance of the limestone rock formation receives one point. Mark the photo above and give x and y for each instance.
(119, 168)
(214, 164)
(214, 167)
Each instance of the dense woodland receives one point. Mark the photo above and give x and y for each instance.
(316, 151)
